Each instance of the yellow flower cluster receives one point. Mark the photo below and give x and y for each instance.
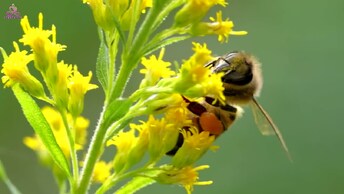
(193, 79)
(187, 176)
(156, 136)
(64, 82)
(193, 12)
(217, 26)
(56, 123)
(165, 95)
(15, 70)
(159, 136)
(155, 68)
(104, 13)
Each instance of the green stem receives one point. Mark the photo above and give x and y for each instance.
(93, 153)
(106, 185)
(121, 79)
(145, 31)
(133, 54)
(74, 157)
(113, 129)
(134, 18)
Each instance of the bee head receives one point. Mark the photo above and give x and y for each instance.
(236, 68)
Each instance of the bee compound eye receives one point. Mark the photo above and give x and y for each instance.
(237, 78)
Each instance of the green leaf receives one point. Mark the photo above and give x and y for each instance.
(135, 184)
(117, 109)
(102, 64)
(7, 181)
(41, 127)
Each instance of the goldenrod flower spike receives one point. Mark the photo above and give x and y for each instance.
(168, 98)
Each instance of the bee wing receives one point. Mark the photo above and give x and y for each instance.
(262, 119)
(266, 125)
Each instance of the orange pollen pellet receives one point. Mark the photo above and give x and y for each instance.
(209, 122)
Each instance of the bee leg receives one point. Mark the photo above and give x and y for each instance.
(179, 144)
(226, 113)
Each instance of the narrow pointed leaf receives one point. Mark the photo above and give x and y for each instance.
(102, 64)
(41, 127)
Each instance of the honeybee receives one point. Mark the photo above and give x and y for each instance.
(242, 81)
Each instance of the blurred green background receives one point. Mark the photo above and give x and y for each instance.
(300, 44)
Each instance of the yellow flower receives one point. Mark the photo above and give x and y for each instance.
(214, 87)
(102, 171)
(195, 65)
(102, 14)
(44, 49)
(124, 142)
(15, 70)
(145, 4)
(118, 7)
(139, 149)
(191, 73)
(81, 124)
(218, 26)
(187, 177)
(194, 10)
(195, 80)
(78, 86)
(56, 123)
(155, 68)
(202, 55)
(177, 112)
(162, 136)
(194, 146)
(128, 16)
(61, 88)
